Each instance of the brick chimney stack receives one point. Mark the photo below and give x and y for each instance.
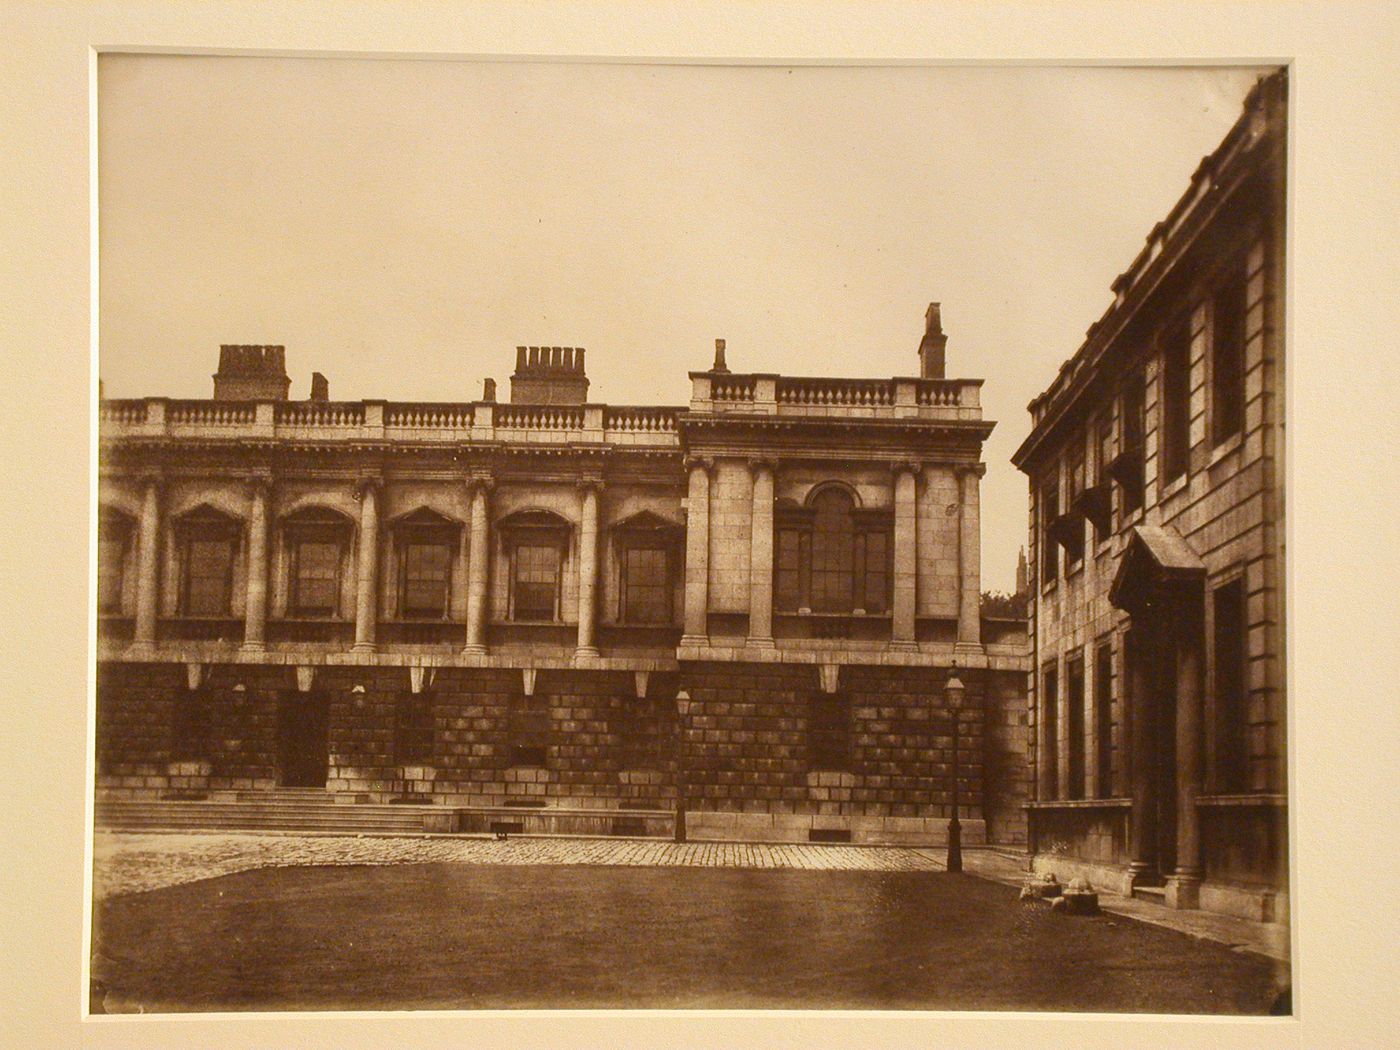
(549, 375)
(320, 387)
(932, 357)
(488, 391)
(719, 365)
(251, 373)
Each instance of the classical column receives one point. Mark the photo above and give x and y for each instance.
(1183, 885)
(761, 556)
(366, 583)
(255, 609)
(906, 565)
(588, 568)
(697, 552)
(478, 558)
(148, 569)
(969, 559)
(1138, 711)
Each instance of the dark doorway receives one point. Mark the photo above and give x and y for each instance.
(301, 739)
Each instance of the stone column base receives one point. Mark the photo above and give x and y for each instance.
(759, 643)
(254, 647)
(363, 647)
(474, 650)
(1183, 891)
(586, 652)
(968, 648)
(693, 641)
(903, 645)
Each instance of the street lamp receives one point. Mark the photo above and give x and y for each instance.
(953, 693)
(682, 710)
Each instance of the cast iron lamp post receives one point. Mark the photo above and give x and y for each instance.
(953, 693)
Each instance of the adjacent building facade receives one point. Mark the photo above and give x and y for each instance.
(734, 619)
(1157, 556)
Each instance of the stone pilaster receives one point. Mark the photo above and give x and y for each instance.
(366, 582)
(761, 556)
(697, 552)
(148, 567)
(1138, 709)
(1184, 884)
(255, 611)
(588, 568)
(906, 566)
(969, 559)
(478, 564)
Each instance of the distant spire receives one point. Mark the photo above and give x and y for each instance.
(1022, 576)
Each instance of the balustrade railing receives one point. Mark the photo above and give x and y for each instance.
(640, 419)
(426, 415)
(212, 413)
(321, 413)
(539, 417)
(127, 412)
(836, 392)
(732, 388)
(940, 393)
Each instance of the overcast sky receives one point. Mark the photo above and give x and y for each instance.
(402, 225)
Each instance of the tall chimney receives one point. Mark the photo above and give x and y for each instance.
(320, 388)
(251, 373)
(719, 365)
(932, 349)
(549, 375)
(488, 392)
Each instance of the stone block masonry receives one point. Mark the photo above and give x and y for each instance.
(755, 751)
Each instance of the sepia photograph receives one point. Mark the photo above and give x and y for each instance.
(665, 535)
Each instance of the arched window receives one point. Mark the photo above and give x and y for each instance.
(832, 556)
(427, 544)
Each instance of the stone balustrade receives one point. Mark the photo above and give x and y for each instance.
(897, 398)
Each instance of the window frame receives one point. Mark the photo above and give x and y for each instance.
(1228, 347)
(645, 532)
(1230, 758)
(1049, 762)
(113, 527)
(1104, 721)
(797, 526)
(535, 529)
(1048, 496)
(427, 529)
(1076, 725)
(205, 525)
(1174, 402)
(317, 526)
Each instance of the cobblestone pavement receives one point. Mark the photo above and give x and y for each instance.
(135, 862)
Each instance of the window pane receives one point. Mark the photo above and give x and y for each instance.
(1231, 711)
(646, 599)
(317, 569)
(1074, 676)
(1049, 758)
(536, 582)
(1103, 717)
(1227, 364)
(210, 567)
(1176, 402)
(1050, 550)
(788, 589)
(876, 572)
(425, 575)
(833, 554)
(109, 574)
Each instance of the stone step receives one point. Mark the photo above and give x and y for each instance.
(1152, 894)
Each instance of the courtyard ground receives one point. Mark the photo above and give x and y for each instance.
(267, 922)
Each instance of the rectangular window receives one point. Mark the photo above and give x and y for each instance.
(413, 730)
(1049, 549)
(1227, 358)
(1050, 715)
(208, 577)
(1231, 707)
(789, 593)
(111, 552)
(1134, 409)
(873, 557)
(646, 588)
(1104, 722)
(833, 568)
(829, 734)
(1074, 533)
(427, 570)
(1175, 432)
(529, 732)
(536, 582)
(315, 578)
(1074, 685)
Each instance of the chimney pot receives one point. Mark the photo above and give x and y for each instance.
(719, 365)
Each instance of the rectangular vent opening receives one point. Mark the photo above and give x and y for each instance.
(829, 835)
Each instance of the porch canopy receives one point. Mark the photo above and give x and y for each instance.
(1157, 566)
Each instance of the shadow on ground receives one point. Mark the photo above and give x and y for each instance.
(444, 936)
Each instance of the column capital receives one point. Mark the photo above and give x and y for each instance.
(368, 482)
(589, 484)
(977, 469)
(758, 464)
(705, 463)
(149, 477)
(480, 479)
(903, 466)
(260, 480)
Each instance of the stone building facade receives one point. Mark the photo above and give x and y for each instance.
(1157, 555)
(732, 620)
